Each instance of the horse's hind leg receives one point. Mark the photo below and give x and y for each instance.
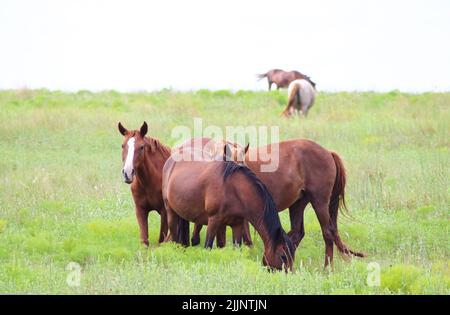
(291, 107)
(178, 228)
(285, 113)
(321, 208)
(304, 110)
(296, 211)
(289, 110)
(211, 232)
(196, 234)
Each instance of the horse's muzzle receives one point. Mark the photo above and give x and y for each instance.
(128, 178)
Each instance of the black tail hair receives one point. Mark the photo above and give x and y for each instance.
(261, 76)
(337, 202)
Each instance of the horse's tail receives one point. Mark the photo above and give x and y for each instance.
(337, 201)
(183, 232)
(261, 76)
(293, 94)
(293, 91)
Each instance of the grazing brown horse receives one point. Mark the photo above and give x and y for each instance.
(207, 149)
(282, 78)
(301, 95)
(143, 159)
(219, 193)
(306, 173)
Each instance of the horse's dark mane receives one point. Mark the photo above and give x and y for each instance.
(156, 145)
(307, 78)
(310, 81)
(271, 218)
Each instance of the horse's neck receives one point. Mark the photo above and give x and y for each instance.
(256, 217)
(261, 229)
(150, 172)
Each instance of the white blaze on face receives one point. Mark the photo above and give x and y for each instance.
(128, 167)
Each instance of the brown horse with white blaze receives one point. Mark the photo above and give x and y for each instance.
(306, 173)
(220, 193)
(143, 159)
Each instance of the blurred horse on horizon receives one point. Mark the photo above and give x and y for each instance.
(282, 78)
(301, 96)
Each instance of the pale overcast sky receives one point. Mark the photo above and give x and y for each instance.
(186, 45)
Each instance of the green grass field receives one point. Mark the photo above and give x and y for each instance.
(62, 198)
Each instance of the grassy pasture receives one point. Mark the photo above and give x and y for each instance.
(62, 198)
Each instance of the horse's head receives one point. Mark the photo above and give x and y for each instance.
(132, 150)
(235, 152)
(282, 255)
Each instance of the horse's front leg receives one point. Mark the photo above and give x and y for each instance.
(238, 231)
(164, 228)
(211, 232)
(296, 211)
(246, 235)
(142, 218)
(221, 236)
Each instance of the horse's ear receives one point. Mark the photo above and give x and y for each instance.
(246, 148)
(144, 129)
(122, 129)
(227, 152)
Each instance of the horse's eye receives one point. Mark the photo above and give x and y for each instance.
(122, 146)
(142, 147)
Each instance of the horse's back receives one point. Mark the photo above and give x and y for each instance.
(202, 149)
(299, 162)
(310, 158)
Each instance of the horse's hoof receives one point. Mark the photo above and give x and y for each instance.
(195, 242)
